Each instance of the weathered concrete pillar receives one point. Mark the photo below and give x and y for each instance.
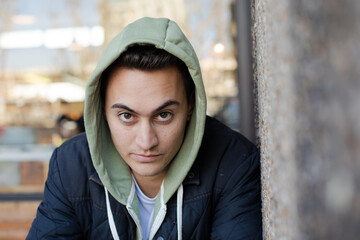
(307, 74)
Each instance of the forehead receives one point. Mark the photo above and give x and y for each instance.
(145, 88)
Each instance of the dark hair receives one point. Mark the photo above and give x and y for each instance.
(147, 58)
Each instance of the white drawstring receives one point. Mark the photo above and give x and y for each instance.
(180, 193)
(160, 215)
(110, 217)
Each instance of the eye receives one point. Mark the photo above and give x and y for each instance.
(126, 117)
(164, 116)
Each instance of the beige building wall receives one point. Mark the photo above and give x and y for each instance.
(307, 71)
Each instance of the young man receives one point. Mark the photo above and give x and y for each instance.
(151, 164)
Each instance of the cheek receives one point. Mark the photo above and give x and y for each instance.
(119, 136)
(113, 129)
(173, 138)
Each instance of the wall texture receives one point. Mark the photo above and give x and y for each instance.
(307, 81)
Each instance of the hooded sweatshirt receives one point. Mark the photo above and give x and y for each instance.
(110, 166)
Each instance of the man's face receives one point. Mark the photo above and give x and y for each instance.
(147, 113)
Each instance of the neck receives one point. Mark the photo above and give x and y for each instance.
(150, 185)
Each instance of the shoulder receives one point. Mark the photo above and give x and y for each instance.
(72, 162)
(73, 152)
(226, 154)
(224, 139)
(77, 144)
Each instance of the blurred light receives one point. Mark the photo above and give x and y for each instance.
(52, 92)
(53, 38)
(97, 36)
(36, 79)
(219, 48)
(58, 38)
(21, 39)
(23, 19)
(66, 91)
(83, 37)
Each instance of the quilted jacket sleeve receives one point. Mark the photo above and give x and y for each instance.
(55, 217)
(238, 211)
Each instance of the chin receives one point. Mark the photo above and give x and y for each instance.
(150, 173)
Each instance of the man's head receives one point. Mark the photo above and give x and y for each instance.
(148, 58)
(147, 97)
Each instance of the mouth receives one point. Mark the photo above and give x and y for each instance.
(144, 158)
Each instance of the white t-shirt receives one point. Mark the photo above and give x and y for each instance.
(146, 209)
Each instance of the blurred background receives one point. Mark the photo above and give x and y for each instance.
(48, 49)
(284, 73)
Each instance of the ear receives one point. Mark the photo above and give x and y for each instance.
(191, 105)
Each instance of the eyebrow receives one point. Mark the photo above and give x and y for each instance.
(164, 105)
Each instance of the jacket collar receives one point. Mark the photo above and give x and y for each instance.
(95, 178)
(193, 176)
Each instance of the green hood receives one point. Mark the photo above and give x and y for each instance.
(111, 168)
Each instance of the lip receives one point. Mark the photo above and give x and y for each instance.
(143, 158)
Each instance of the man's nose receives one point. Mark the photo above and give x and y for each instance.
(146, 136)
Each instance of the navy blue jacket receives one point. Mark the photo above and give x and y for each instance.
(222, 194)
